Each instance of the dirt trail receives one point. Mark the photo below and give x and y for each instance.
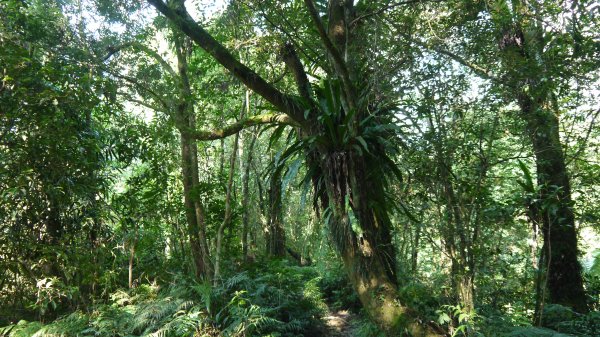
(339, 323)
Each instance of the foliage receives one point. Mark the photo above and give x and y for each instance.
(535, 332)
(279, 300)
(108, 188)
(365, 328)
(337, 291)
(422, 298)
(566, 321)
(467, 321)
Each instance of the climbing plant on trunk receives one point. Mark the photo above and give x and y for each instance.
(514, 46)
(346, 144)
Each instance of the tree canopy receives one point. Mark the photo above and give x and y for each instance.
(299, 168)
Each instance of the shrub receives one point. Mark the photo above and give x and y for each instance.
(535, 332)
(338, 291)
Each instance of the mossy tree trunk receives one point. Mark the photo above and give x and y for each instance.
(360, 229)
(561, 265)
(196, 224)
(520, 40)
(351, 184)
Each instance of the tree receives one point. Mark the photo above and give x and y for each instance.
(55, 168)
(347, 138)
(528, 66)
(182, 111)
(274, 231)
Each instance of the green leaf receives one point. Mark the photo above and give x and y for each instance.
(443, 318)
(362, 141)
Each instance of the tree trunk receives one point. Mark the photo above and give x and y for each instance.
(192, 210)
(361, 233)
(196, 223)
(53, 224)
(521, 45)
(414, 255)
(465, 290)
(275, 233)
(246, 196)
(564, 281)
(131, 259)
(227, 216)
(454, 229)
(540, 288)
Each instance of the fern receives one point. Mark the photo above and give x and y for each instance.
(279, 300)
(21, 329)
(236, 280)
(151, 315)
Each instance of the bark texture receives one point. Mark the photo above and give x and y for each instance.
(275, 233)
(564, 280)
(521, 47)
(196, 224)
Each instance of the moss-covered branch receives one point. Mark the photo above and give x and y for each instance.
(180, 18)
(269, 118)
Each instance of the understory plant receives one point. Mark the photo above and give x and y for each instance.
(276, 300)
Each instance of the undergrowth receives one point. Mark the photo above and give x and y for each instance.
(276, 300)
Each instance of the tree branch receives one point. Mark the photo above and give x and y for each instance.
(251, 79)
(338, 61)
(478, 70)
(269, 118)
(136, 45)
(586, 138)
(383, 9)
(129, 98)
(167, 105)
(315, 58)
(292, 62)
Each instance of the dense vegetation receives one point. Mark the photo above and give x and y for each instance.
(299, 168)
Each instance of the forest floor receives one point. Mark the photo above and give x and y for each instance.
(339, 323)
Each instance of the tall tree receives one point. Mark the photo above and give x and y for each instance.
(186, 118)
(179, 106)
(520, 41)
(344, 141)
(515, 46)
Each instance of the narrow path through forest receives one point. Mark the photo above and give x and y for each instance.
(339, 323)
